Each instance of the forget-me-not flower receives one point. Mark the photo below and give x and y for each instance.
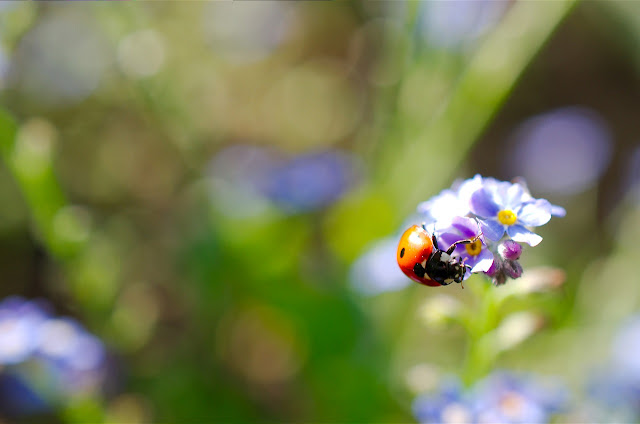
(19, 325)
(505, 207)
(481, 210)
(450, 203)
(475, 254)
(504, 397)
(449, 405)
(501, 397)
(45, 359)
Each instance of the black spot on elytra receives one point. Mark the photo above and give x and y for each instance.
(402, 252)
(418, 270)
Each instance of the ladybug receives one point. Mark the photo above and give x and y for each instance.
(421, 260)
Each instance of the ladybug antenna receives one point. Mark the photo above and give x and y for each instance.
(435, 241)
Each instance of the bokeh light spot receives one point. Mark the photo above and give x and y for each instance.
(34, 143)
(262, 344)
(564, 151)
(142, 53)
(457, 24)
(54, 75)
(313, 105)
(242, 32)
(72, 224)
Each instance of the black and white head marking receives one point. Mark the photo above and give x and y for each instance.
(443, 268)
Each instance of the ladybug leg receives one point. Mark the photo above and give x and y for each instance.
(454, 245)
(433, 236)
(467, 267)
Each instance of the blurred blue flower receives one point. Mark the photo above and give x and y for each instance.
(235, 174)
(627, 340)
(622, 379)
(376, 271)
(564, 151)
(44, 357)
(504, 397)
(76, 357)
(475, 254)
(310, 181)
(19, 325)
(458, 24)
(506, 207)
(614, 390)
(612, 397)
(449, 405)
(247, 180)
(499, 398)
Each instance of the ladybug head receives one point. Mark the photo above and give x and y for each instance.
(445, 269)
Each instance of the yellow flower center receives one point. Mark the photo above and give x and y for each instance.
(507, 217)
(474, 248)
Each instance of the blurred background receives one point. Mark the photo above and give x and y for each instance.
(200, 201)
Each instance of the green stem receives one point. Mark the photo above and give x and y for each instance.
(481, 353)
(90, 260)
(428, 159)
(29, 158)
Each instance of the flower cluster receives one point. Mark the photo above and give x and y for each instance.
(44, 359)
(496, 215)
(499, 398)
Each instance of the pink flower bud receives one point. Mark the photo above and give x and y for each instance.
(512, 268)
(510, 250)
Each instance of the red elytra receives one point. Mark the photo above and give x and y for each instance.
(415, 247)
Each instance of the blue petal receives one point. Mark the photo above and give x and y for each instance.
(483, 205)
(483, 261)
(468, 227)
(536, 213)
(520, 234)
(447, 239)
(503, 193)
(513, 198)
(491, 229)
(424, 207)
(444, 206)
(468, 187)
(558, 211)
